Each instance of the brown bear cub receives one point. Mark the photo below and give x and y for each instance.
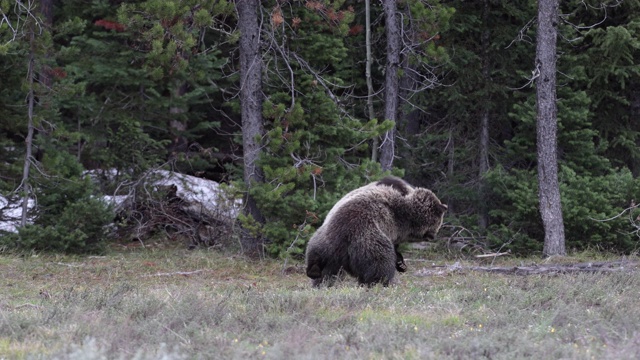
(361, 233)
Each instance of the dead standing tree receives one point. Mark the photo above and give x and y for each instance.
(391, 82)
(404, 36)
(547, 128)
(251, 98)
(23, 22)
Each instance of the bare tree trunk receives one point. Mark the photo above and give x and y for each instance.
(451, 146)
(483, 218)
(251, 99)
(387, 151)
(367, 75)
(483, 163)
(547, 127)
(634, 112)
(26, 185)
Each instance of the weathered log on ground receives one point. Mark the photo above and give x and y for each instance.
(536, 269)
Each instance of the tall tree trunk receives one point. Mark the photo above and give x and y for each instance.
(26, 185)
(45, 10)
(251, 99)
(634, 112)
(547, 127)
(483, 163)
(391, 82)
(367, 75)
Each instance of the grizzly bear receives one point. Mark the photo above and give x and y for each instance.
(361, 233)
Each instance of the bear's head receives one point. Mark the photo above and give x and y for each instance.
(426, 213)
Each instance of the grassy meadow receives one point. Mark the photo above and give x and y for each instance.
(179, 304)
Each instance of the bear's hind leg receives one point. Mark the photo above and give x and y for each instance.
(328, 278)
(373, 262)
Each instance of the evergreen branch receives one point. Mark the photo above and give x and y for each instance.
(323, 82)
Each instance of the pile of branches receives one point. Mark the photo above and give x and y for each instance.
(158, 212)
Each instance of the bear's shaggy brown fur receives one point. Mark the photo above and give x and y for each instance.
(361, 232)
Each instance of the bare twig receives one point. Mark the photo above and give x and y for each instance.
(616, 216)
(496, 254)
(183, 273)
(522, 36)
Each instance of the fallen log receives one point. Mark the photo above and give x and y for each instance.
(536, 269)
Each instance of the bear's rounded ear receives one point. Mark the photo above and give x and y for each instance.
(443, 207)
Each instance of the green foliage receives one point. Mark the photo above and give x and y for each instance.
(593, 209)
(591, 190)
(481, 66)
(150, 82)
(591, 205)
(612, 76)
(307, 171)
(313, 152)
(67, 216)
(144, 74)
(597, 140)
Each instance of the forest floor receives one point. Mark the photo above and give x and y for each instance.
(179, 304)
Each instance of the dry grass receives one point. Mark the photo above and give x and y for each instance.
(174, 304)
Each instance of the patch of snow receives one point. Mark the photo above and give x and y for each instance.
(115, 200)
(11, 214)
(203, 195)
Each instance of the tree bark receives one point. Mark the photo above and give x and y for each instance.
(251, 99)
(367, 75)
(387, 148)
(483, 163)
(547, 127)
(26, 185)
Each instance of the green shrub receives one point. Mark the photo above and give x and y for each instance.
(590, 205)
(67, 216)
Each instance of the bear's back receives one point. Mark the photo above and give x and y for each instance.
(369, 196)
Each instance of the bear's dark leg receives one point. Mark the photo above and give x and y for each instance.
(323, 271)
(400, 265)
(314, 271)
(315, 264)
(373, 262)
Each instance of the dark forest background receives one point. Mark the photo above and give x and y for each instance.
(119, 88)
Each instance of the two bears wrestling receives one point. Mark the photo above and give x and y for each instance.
(361, 233)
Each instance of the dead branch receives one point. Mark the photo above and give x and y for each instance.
(183, 273)
(553, 269)
(68, 265)
(493, 254)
